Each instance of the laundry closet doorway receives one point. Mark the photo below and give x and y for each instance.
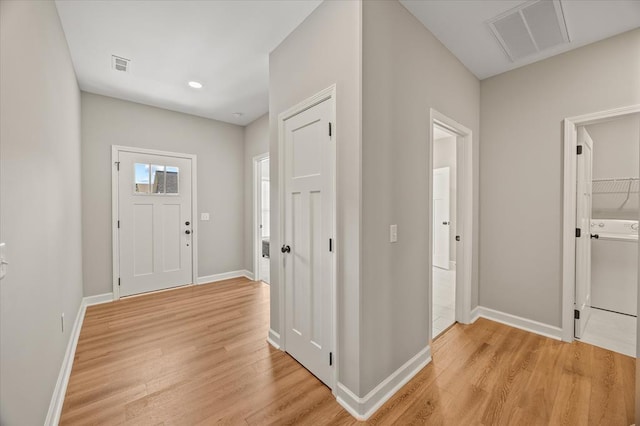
(602, 165)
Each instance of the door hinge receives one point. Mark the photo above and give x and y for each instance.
(331, 245)
(118, 280)
(117, 163)
(330, 358)
(578, 232)
(576, 314)
(330, 129)
(118, 224)
(579, 149)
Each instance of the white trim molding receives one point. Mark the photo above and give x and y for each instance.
(475, 314)
(60, 390)
(257, 210)
(517, 322)
(365, 407)
(274, 339)
(225, 276)
(570, 141)
(98, 299)
(464, 220)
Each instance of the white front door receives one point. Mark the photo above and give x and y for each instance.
(583, 241)
(441, 222)
(155, 222)
(308, 172)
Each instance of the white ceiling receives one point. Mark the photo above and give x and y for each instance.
(224, 45)
(461, 26)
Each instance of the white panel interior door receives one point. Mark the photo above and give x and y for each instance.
(583, 242)
(441, 222)
(309, 200)
(154, 210)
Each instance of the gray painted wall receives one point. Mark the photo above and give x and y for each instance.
(616, 154)
(325, 50)
(444, 155)
(521, 176)
(256, 142)
(39, 206)
(406, 71)
(219, 147)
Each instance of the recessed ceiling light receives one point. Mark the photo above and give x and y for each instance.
(237, 114)
(195, 84)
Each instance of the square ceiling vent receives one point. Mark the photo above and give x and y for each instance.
(530, 28)
(120, 64)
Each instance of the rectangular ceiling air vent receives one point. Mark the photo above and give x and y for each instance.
(120, 64)
(530, 28)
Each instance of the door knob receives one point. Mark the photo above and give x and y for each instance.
(596, 236)
(187, 232)
(285, 249)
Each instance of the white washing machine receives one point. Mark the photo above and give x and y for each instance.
(614, 265)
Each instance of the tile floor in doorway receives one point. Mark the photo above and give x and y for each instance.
(612, 331)
(444, 299)
(265, 270)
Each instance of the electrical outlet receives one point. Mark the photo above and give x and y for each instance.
(204, 216)
(62, 321)
(393, 233)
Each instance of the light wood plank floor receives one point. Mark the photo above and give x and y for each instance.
(198, 355)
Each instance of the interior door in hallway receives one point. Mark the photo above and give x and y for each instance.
(583, 240)
(441, 220)
(155, 222)
(308, 172)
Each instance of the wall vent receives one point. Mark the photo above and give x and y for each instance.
(120, 64)
(530, 28)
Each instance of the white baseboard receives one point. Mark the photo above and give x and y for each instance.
(475, 314)
(60, 390)
(225, 276)
(274, 339)
(363, 408)
(517, 322)
(98, 299)
(57, 399)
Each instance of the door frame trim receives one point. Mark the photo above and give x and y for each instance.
(569, 197)
(323, 95)
(115, 241)
(464, 222)
(257, 203)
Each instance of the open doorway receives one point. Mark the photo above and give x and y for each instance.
(608, 166)
(444, 228)
(451, 222)
(262, 218)
(600, 244)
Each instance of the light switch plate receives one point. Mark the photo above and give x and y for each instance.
(393, 233)
(3, 260)
(204, 216)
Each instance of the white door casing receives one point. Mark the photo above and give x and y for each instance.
(308, 189)
(570, 142)
(583, 223)
(262, 216)
(154, 230)
(441, 217)
(464, 212)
